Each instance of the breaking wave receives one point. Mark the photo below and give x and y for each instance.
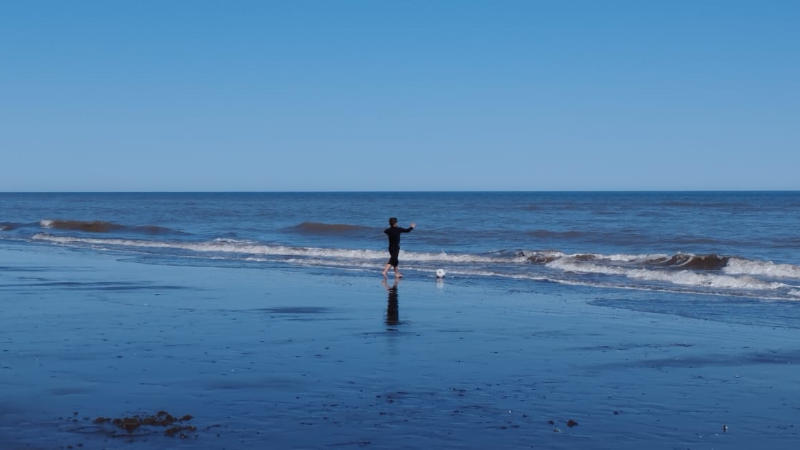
(740, 266)
(682, 277)
(244, 247)
(682, 272)
(689, 261)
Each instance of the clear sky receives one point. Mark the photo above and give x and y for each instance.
(399, 95)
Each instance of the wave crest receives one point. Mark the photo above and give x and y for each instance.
(327, 228)
(689, 261)
(99, 226)
(96, 226)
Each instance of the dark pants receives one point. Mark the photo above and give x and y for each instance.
(393, 253)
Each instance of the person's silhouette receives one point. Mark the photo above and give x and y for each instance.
(394, 232)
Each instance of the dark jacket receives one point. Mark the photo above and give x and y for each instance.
(394, 236)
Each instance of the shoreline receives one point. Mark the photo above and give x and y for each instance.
(293, 359)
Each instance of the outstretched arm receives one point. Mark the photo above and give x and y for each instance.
(413, 225)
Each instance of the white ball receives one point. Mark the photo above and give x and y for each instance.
(440, 273)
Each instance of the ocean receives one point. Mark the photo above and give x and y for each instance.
(565, 320)
(728, 255)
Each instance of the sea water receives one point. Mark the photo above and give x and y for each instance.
(679, 252)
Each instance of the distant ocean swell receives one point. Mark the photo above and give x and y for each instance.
(543, 237)
(700, 274)
(328, 228)
(99, 226)
(8, 226)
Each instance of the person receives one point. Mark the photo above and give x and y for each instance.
(393, 232)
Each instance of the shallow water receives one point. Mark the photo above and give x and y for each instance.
(723, 245)
(317, 357)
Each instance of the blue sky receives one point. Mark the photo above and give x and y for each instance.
(399, 95)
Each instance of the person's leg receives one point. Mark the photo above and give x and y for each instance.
(386, 269)
(396, 264)
(393, 253)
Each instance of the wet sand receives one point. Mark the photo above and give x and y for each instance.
(287, 358)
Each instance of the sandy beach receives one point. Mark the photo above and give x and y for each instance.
(303, 359)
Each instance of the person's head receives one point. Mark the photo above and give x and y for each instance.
(392, 221)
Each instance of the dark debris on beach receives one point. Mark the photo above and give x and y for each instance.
(174, 426)
(570, 423)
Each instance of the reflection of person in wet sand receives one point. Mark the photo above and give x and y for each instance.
(394, 233)
(392, 306)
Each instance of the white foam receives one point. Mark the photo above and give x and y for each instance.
(253, 248)
(612, 285)
(689, 278)
(490, 273)
(764, 268)
(543, 254)
(570, 265)
(739, 275)
(631, 258)
(46, 223)
(617, 257)
(678, 277)
(326, 262)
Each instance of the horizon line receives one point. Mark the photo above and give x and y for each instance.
(401, 191)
